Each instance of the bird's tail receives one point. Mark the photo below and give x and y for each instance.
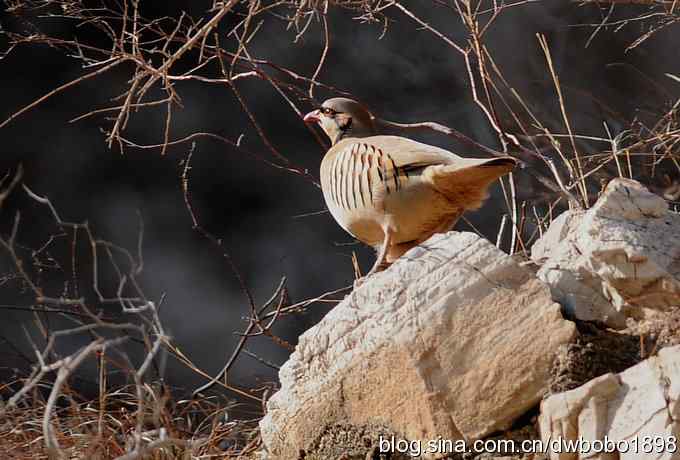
(465, 182)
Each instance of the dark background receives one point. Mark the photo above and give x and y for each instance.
(408, 75)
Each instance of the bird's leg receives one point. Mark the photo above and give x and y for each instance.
(381, 261)
(382, 253)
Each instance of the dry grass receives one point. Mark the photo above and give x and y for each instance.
(106, 427)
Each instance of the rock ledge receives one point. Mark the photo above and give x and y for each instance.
(453, 340)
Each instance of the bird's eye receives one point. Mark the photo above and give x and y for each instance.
(327, 111)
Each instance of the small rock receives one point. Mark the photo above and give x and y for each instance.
(619, 259)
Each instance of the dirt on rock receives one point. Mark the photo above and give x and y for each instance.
(349, 442)
(599, 350)
(596, 352)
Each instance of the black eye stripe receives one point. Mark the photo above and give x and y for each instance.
(327, 111)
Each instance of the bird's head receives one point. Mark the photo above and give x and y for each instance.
(341, 117)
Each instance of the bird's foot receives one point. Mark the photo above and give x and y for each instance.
(359, 282)
(376, 269)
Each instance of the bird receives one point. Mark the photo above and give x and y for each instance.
(392, 192)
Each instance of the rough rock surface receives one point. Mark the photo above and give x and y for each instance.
(454, 340)
(619, 259)
(642, 401)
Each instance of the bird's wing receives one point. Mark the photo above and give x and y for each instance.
(464, 180)
(407, 153)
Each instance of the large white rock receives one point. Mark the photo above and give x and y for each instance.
(618, 259)
(453, 340)
(637, 411)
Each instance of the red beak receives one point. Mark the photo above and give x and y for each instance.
(312, 117)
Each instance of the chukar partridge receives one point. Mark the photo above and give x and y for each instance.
(391, 192)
